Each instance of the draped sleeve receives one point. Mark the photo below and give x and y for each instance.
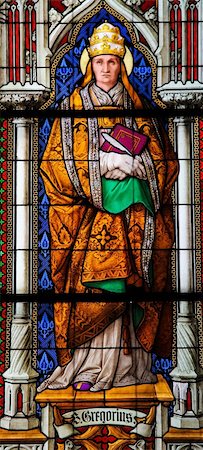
(160, 162)
(66, 207)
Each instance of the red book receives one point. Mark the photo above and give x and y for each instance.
(124, 140)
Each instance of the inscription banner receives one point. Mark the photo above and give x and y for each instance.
(100, 416)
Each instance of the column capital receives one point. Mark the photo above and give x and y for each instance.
(23, 121)
(13, 96)
(182, 95)
(183, 120)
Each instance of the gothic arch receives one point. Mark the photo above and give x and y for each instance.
(69, 19)
(58, 51)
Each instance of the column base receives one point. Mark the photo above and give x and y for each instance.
(187, 421)
(19, 423)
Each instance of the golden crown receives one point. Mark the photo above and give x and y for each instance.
(106, 39)
(107, 27)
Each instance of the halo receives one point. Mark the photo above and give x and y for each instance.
(84, 59)
(128, 61)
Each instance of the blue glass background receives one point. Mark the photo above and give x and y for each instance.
(68, 77)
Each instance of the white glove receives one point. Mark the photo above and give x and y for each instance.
(111, 161)
(138, 168)
(119, 166)
(115, 174)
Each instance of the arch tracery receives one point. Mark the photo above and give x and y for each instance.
(130, 15)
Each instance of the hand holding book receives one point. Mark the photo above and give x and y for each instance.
(124, 140)
(123, 173)
(118, 167)
(123, 146)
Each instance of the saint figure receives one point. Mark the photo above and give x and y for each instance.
(111, 226)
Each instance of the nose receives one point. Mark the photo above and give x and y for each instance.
(105, 67)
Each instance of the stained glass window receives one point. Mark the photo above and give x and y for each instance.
(101, 224)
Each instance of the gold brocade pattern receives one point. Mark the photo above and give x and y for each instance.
(107, 253)
(91, 245)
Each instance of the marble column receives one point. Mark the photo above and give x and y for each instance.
(22, 209)
(184, 207)
(24, 95)
(20, 378)
(187, 376)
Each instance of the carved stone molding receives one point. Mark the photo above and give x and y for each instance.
(182, 99)
(70, 4)
(184, 3)
(21, 447)
(21, 3)
(181, 96)
(20, 377)
(136, 3)
(177, 446)
(187, 376)
(31, 96)
(151, 14)
(54, 18)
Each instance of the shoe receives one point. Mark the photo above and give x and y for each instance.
(82, 386)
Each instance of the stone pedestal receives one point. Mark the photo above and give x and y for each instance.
(142, 408)
(188, 375)
(20, 378)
